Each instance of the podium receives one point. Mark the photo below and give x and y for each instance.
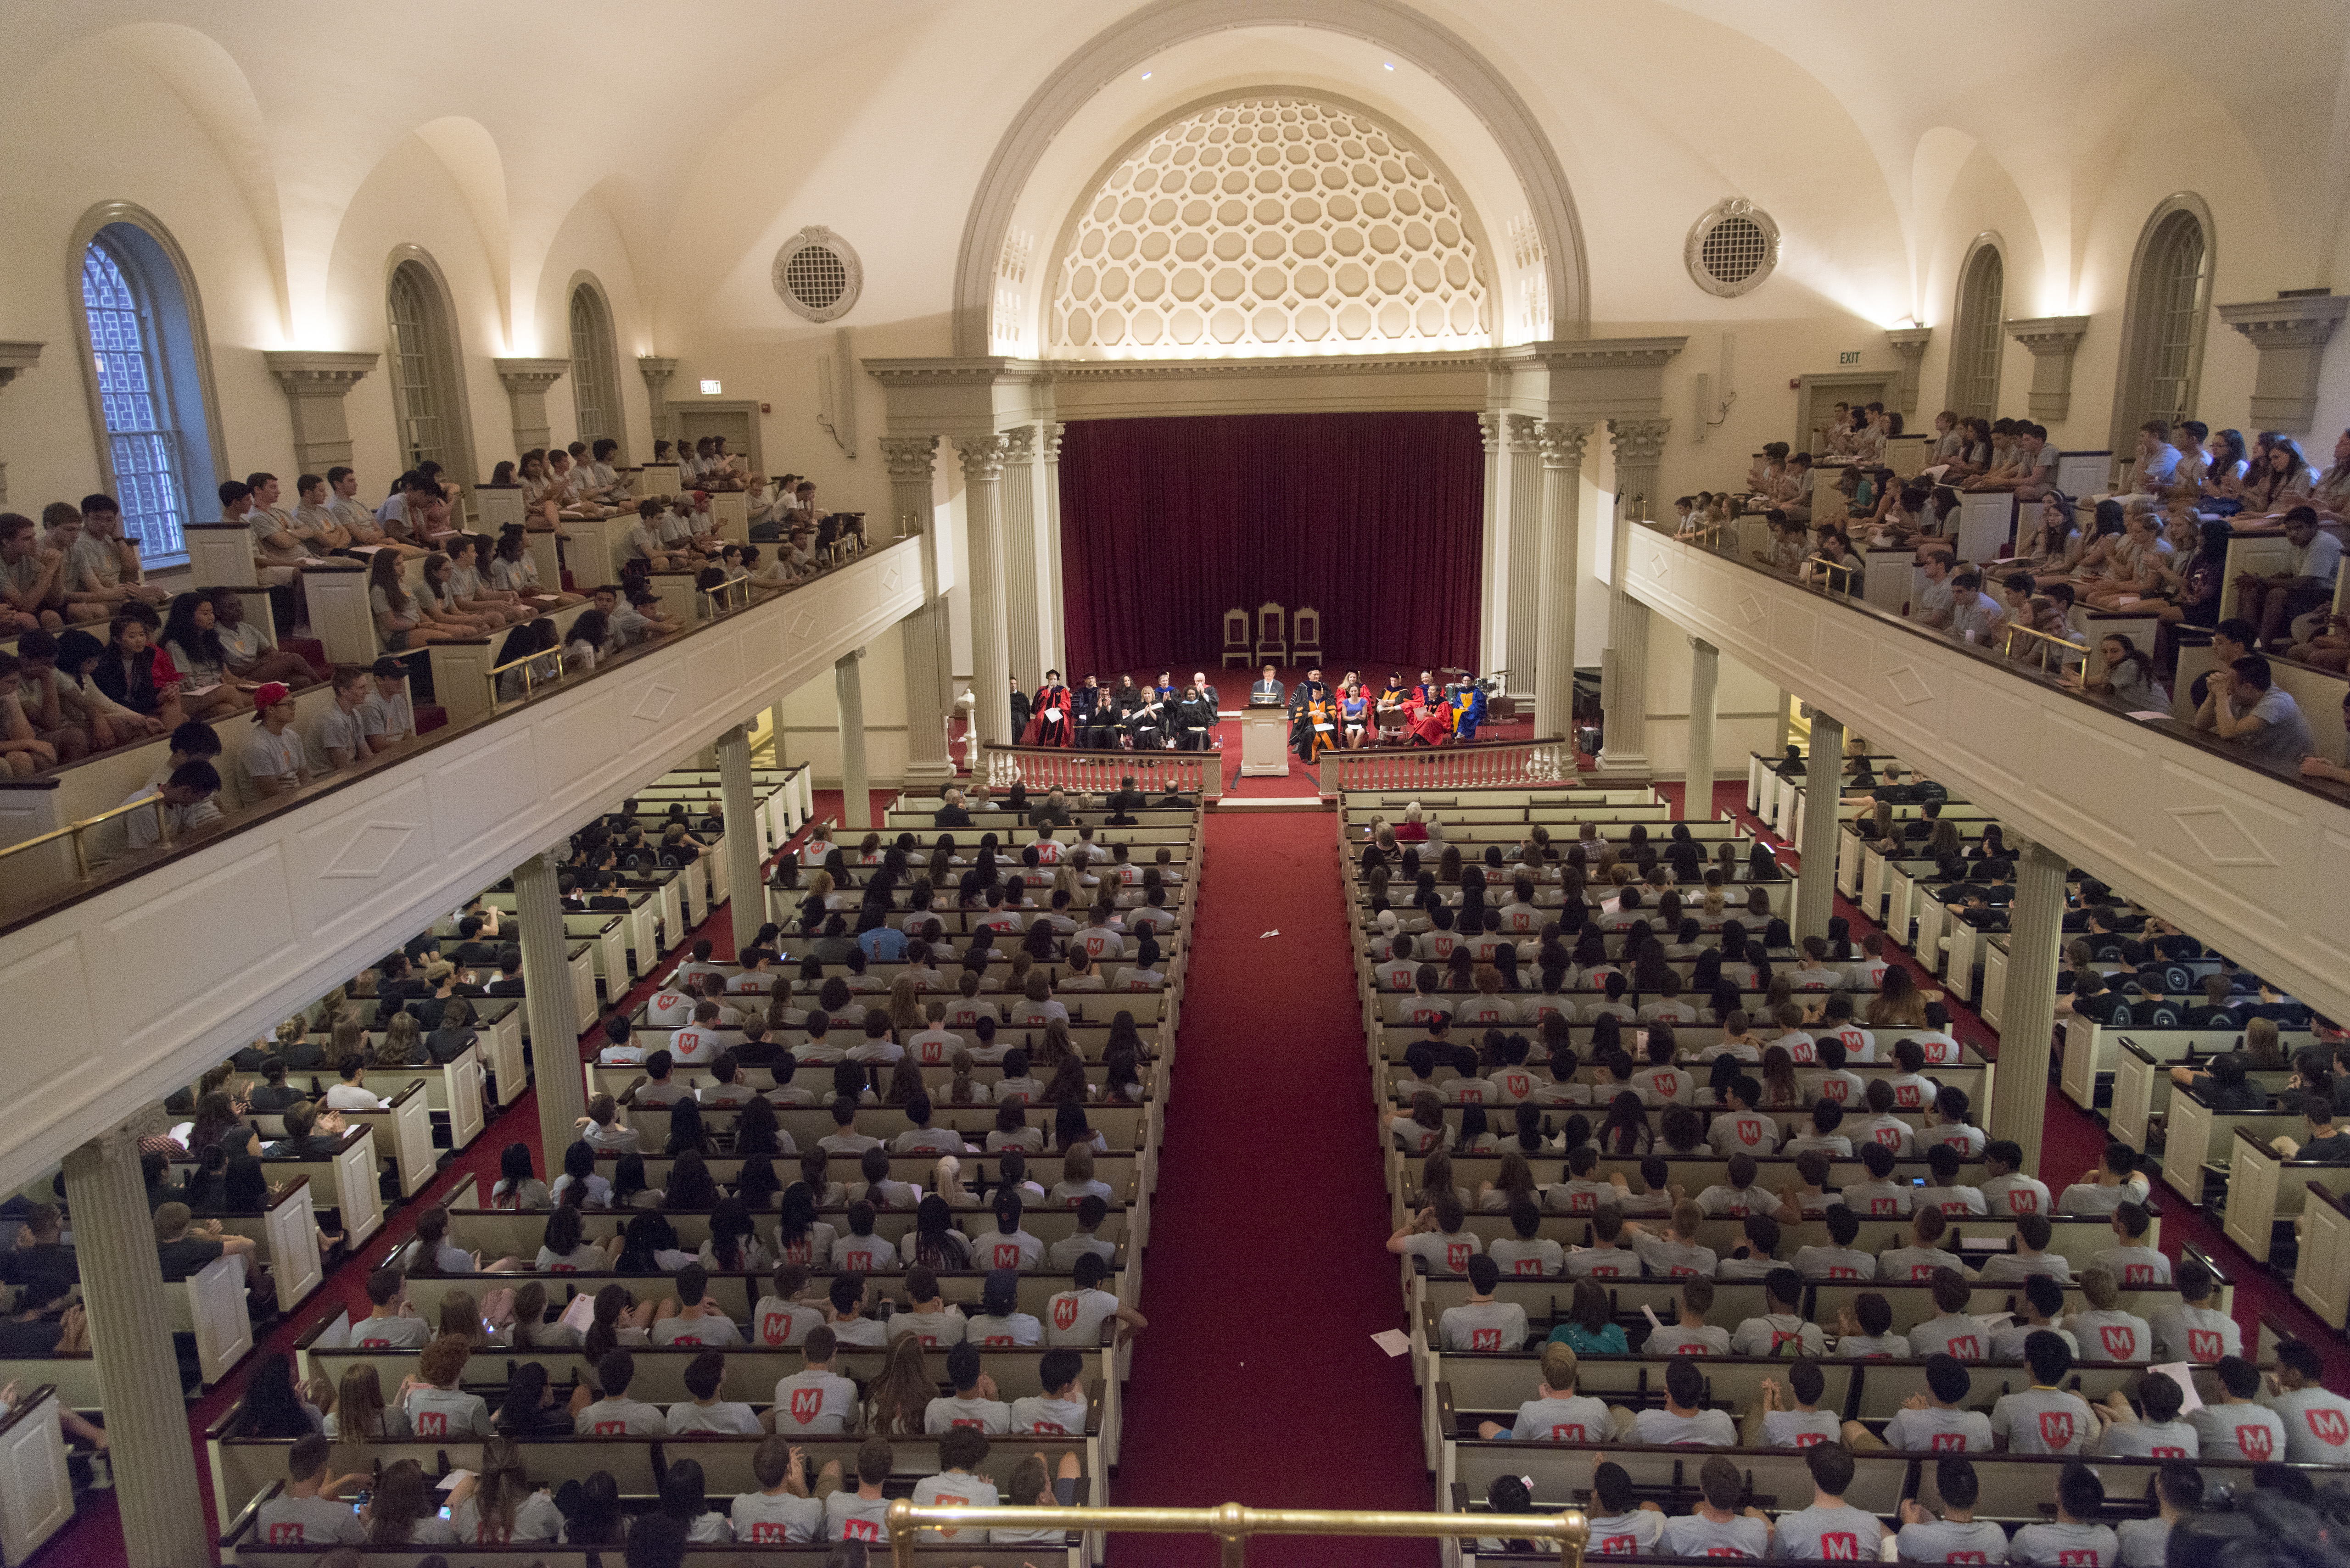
(1264, 742)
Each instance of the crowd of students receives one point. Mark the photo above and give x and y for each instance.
(2157, 548)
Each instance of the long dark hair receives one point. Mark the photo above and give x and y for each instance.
(180, 627)
(272, 1406)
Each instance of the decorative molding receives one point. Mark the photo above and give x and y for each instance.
(1561, 444)
(1020, 444)
(2289, 335)
(908, 459)
(1466, 70)
(18, 357)
(316, 383)
(1489, 433)
(1050, 445)
(657, 371)
(1640, 441)
(527, 383)
(1522, 430)
(984, 457)
(1909, 342)
(2052, 339)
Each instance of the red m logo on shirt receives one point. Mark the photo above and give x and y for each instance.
(1484, 1339)
(774, 1327)
(1007, 1254)
(2256, 1441)
(1889, 1137)
(767, 1532)
(1064, 1312)
(2206, 1344)
(1906, 1097)
(2056, 1428)
(1839, 1546)
(806, 1405)
(1835, 1089)
(1965, 1557)
(1967, 1347)
(610, 1430)
(1527, 1266)
(286, 1534)
(1750, 1130)
(1951, 1443)
(860, 1530)
(431, 1423)
(1456, 1255)
(2083, 1558)
(2023, 1200)
(1569, 1432)
(2328, 1425)
(2137, 1273)
(2121, 1341)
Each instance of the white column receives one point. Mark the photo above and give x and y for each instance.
(1055, 627)
(923, 634)
(849, 686)
(1816, 879)
(1493, 565)
(1522, 624)
(1562, 458)
(1022, 563)
(2019, 1103)
(561, 1081)
(131, 1340)
(991, 659)
(1624, 665)
(739, 808)
(1697, 790)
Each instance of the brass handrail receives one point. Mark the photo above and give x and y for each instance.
(524, 664)
(1232, 1523)
(74, 830)
(726, 588)
(2007, 646)
(1849, 568)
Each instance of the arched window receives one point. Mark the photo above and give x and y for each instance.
(595, 376)
(2169, 295)
(1979, 338)
(424, 370)
(148, 380)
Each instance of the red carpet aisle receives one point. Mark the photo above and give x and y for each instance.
(2071, 1142)
(1258, 1382)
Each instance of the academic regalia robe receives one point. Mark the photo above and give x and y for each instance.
(1044, 729)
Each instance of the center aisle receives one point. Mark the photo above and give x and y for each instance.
(1257, 1381)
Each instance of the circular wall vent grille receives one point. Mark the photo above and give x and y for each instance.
(818, 274)
(1733, 247)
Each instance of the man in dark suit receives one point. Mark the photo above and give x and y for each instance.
(1083, 704)
(950, 813)
(1267, 691)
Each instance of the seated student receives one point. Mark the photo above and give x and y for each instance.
(1689, 1333)
(2316, 1421)
(1808, 1198)
(1820, 1133)
(2075, 1538)
(974, 1404)
(2236, 1426)
(309, 1510)
(2043, 1298)
(1805, 1423)
(389, 1323)
(2044, 1419)
(2007, 1190)
(1683, 1419)
(1937, 1421)
(862, 1513)
(1739, 1197)
(1060, 1411)
(815, 1401)
(2325, 1145)
(1483, 1323)
(2108, 1332)
(1957, 1535)
(435, 1407)
(2194, 1330)
(1864, 1331)
(1755, 1256)
(781, 1512)
(954, 1484)
(1075, 1317)
(2151, 1429)
(602, 1129)
(1841, 1261)
(698, 1320)
(1619, 1526)
(1782, 1322)
(1921, 1257)
(706, 1412)
(1880, 1197)
(2134, 1262)
(1439, 1235)
(1830, 1529)
(1715, 1528)
(1950, 1331)
(1676, 1254)
(2116, 1181)
(44, 1323)
(1556, 1414)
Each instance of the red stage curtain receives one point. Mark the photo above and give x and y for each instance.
(1376, 519)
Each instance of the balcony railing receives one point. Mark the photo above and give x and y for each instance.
(1232, 1523)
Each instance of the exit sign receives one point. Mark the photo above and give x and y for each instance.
(1849, 357)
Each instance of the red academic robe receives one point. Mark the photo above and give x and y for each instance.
(1424, 716)
(1043, 730)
